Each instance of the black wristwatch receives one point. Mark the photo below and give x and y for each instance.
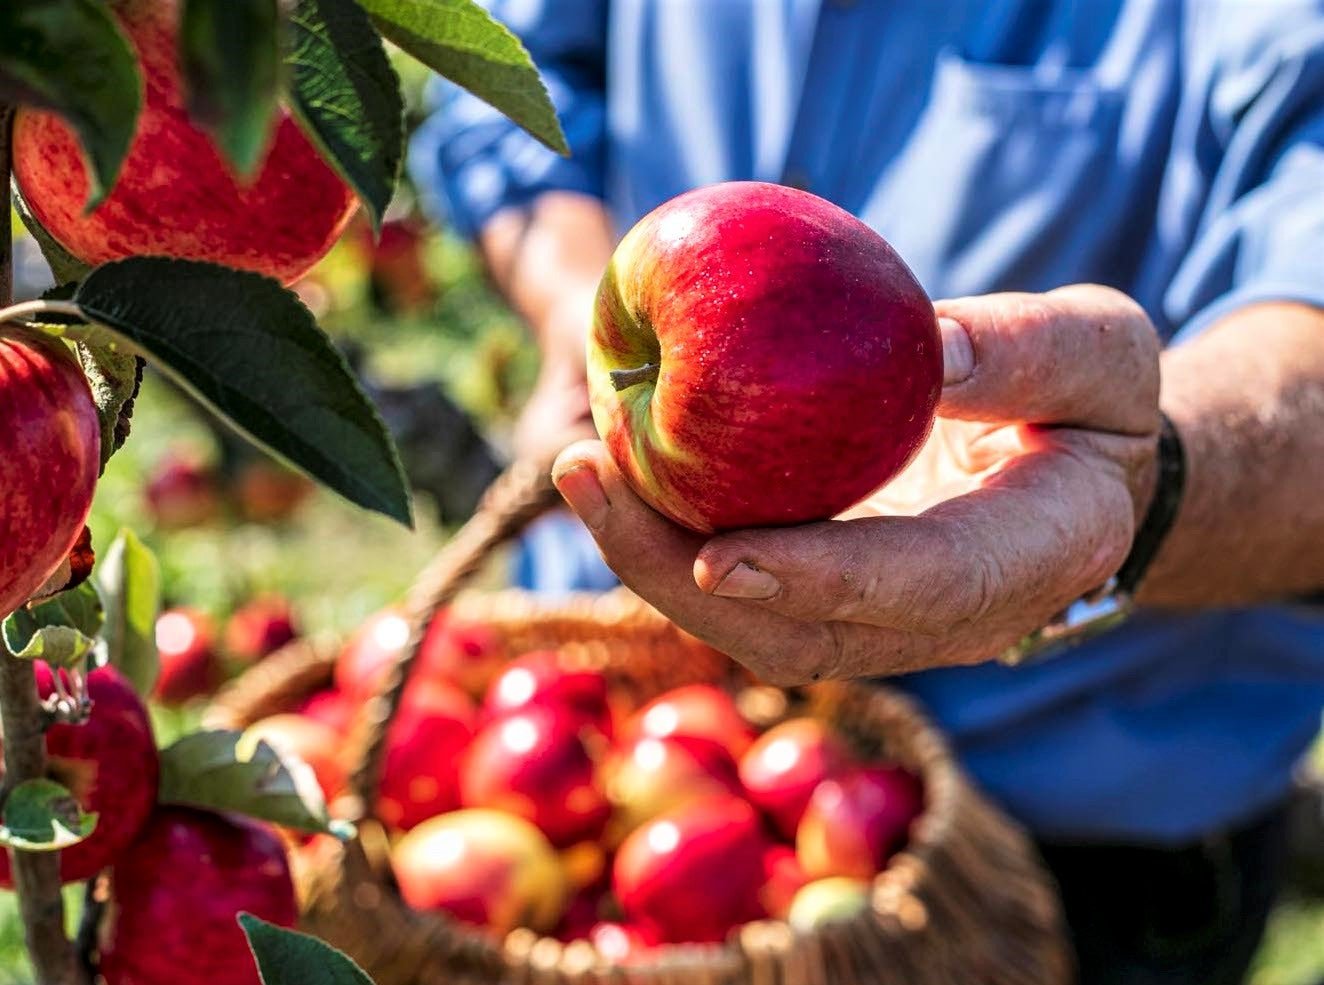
(1111, 603)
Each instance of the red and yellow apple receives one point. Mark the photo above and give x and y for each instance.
(50, 448)
(424, 747)
(188, 665)
(368, 656)
(108, 763)
(700, 710)
(855, 821)
(785, 764)
(826, 901)
(783, 877)
(649, 776)
(695, 872)
(483, 867)
(175, 195)
(535, 765)
(177, 892)
(760, 357)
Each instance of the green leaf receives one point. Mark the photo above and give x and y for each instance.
(65, 267)
(61, 630)
(69, 56)
(114, 373)
(460, 40)
(288, 957)
(42, 816)
(347, 95)
(129, 581)
(230, 56)
(248, 348)
(229, 771)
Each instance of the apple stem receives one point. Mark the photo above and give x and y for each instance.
(23, 723)
(623, 379)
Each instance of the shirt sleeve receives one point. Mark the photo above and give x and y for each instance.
(1261, 234)
(468, 161)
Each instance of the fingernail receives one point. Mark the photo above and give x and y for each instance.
(745, 581)
(958, 354)
(580, 488)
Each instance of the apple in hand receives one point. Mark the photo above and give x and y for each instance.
(856, 821)
(424, 747)
(188, 664)
(175, 194)
(701, 710)
(177, 892)
(535, 765)
(649, 776)
(785, 764)
(759, 357)
(693, 872)
(108, 763)
(483, 867)
(50, 455)
(540, 679)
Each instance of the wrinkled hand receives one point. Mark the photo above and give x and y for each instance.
(1025, 496)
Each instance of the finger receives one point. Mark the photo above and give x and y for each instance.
(654, 558)
(1083, 355)
(1037, 533)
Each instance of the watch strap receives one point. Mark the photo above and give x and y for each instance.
(1169, 485)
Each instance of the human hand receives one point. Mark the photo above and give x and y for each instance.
(557, 410)
(1025, 496)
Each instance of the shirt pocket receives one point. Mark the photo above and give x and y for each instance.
(1007, 180)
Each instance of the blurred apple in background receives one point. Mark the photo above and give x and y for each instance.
(693, 872)
(259, 627)
(331, 708)
(420, 771)
(701, 710)
(855, 822)
(484, 867)
(369, 654)
(783, 876)
(827, 900)
(649, 776)
(189, 667)
(540, 679)
(781, 769)
(535, 764)
(181, 491)
(268, 492)
(467, 654)
(308, 741)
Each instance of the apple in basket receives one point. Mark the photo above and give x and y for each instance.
(782, 768)
(701, 710)
(541, 679)
(483, 867)
(856, 821)
(826, 901)
(424, 745)
(649, 776)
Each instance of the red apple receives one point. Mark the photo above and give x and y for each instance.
(623, 943)
(177, 892)
(540, 679)
(827, 901)
(181, 492)
(370, 653)
(420, 772)
(268, 492)
(331, 708)
(50, 447)
(694, 872)
(175, 195)
(697, 709)
(650, 776)
(580, 917)
(188, 665)
(535, 765)
(782, 768)
(108, 763)
(308, 741)
(854, 822)
(760, 357)
(259, 627)
(467, 654)
(483, 867)
(783, 876)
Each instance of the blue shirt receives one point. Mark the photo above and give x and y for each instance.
(1171, 148)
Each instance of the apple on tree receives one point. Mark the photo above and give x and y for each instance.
(760, 357)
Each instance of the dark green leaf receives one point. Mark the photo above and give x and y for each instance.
(230, 56)
(287, 957)
(229, 771)
(61, 630)
(250, 350)
(65, 267)
(460, 40)
(347, 95)
(129, 581)
(42, 816)
(69, 56)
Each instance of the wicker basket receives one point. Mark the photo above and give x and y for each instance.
(967, 902)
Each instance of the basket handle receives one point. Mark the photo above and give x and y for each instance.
(517, 497)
